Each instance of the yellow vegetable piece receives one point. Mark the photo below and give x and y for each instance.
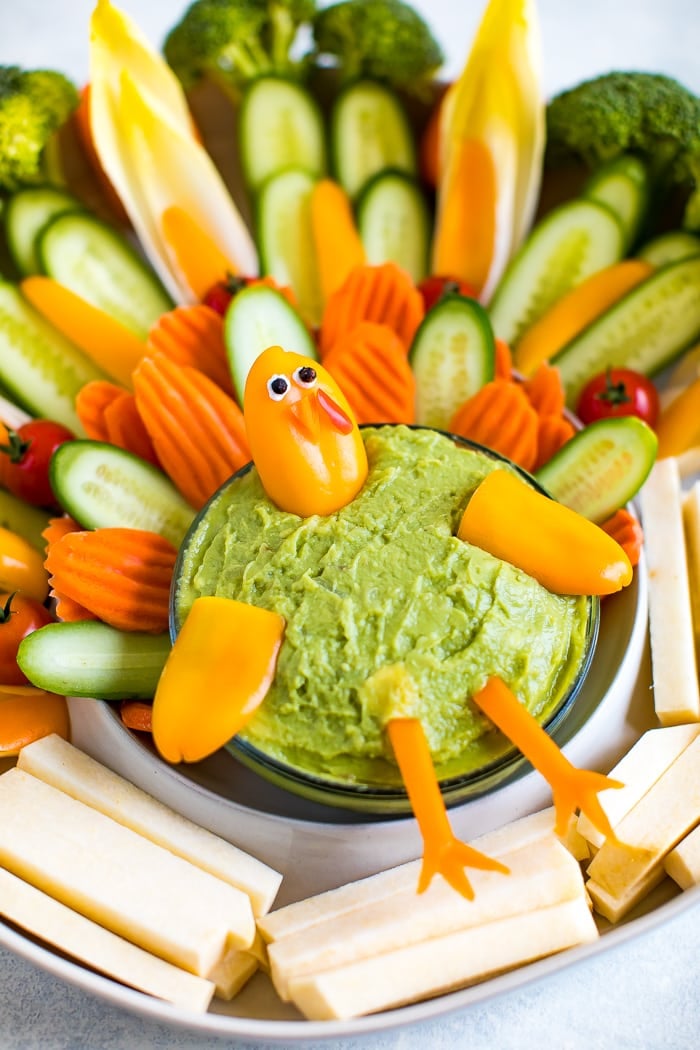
(216, 676)
(108, 343)
(678, 427)
(28, 714)
(22, 567)
(575, 310)
(564, 551)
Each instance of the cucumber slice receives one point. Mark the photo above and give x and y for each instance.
(623, 185)
(285, 237)
(452, 356)
(259, 317)
(99, 265)
(21, 517)
(102, 485)
(280, 126)
(646, 330)
(602, 467)
(572, 242)
(26, 213)
(88, 658)
(395, 223)
(669, 247)
(369, 133)
(39, 368)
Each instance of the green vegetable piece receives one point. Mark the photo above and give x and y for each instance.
(33, 106)
(669, 247)
(26, 214)
(394, 222)
(623, 185)
(19, 516)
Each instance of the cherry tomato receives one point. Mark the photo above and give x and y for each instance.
(220, 295)
(19, 616)
(619, 392)
(433, 288)
(25, 456)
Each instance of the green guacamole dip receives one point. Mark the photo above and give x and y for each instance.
(387, 612)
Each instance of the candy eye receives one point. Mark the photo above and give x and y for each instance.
(277, 387)
(305, 375)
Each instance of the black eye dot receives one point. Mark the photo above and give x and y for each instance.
(277, 387)
(306, 374)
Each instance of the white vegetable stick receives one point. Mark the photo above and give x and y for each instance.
(639, 770)
(683, 862)
(615, 908)
(86, 941)
(691, 528)
(442, 963)
(661, 818)
(65, 767)
(121, 880)
(541, 874)
(233, 972)
(675, 675)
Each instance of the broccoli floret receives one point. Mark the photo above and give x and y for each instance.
(385, 40)
(647, 114)
(233, 41)
(33, 106)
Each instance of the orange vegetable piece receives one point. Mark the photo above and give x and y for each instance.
(66, 608)
(503, 360)
(443, 853)
(193, 336)
(125, 427)
(572, 788)
(197, 430)
(28, 714)
(678, 426)
(81, 117)
(370, 366)
(137, 715)
(564, 551)
(384, 294)
(500, 416)
(199, 259)
(626, 530)
(429, 147)
(553, 431)
(545, 390)
(122, 576)
(575, 310)
(339, 248)
(306, 445)
(107, 342)
(216, 676)
(90, 404)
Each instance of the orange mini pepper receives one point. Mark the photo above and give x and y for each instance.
(28, 714)
(22, 567)
(564, 551)
(303, 438)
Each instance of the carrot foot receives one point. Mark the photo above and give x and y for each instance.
(578, 789)
(449, 858)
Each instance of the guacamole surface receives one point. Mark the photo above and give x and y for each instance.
(388, 613)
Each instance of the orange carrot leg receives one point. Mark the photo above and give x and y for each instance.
(572, 788)
(442, 853)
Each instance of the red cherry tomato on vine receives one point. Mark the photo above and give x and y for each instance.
(19, 616)
(433, 288)
(220, 294)
(24, 459)
(619, 392)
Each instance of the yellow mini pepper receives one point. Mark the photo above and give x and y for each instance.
(22, 567)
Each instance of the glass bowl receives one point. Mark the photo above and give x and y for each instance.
(372, 784)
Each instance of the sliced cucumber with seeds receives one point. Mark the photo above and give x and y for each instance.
(369, 133)
(574, 241)
(39, 368)
(103, 486)
(646, 330)
(26, 213)
(602, 467)
(280, 126)
(395, 223)
(669, 247)
(452, 356)
(623, 185)
(99, 265)
(259, 317)
(285, 237)
(88, 658)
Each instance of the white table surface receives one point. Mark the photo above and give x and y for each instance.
(642, 995)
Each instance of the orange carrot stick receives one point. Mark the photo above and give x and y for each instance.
(575, 310)
(194, 336)
(197, 256)
(122, 576)
(552, 434)
(443, 853)
(503, 360)
(81, 117)
(572, 788)
(338, 245)
(545, 390)
(500, 416)
(112, 346)
(28, 714)
(91, 403)
(626, 530)
(197, 430)
(384, 294)
(370, 366)
(137, 714)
